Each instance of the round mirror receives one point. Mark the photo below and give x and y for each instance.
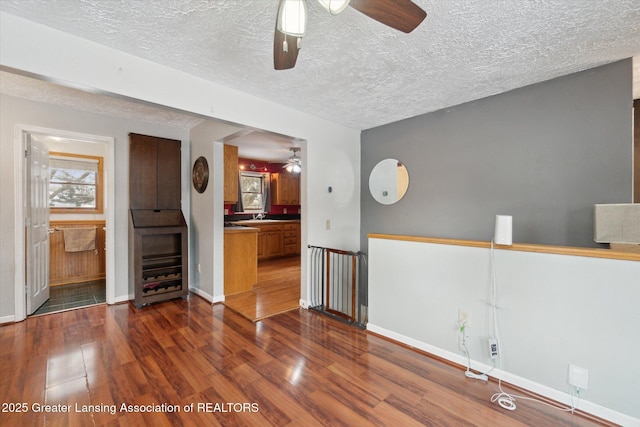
(388, 181)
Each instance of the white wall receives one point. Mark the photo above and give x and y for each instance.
(553, 310)
(207, 215)
(332, 154)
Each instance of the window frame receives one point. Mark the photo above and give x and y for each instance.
(263, 176)
(99, 209)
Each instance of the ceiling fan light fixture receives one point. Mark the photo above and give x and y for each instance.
(292, 17)
(334, 7)
(294, 164)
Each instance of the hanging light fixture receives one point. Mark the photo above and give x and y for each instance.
(292, 17)
(294, 164)
(334, 7)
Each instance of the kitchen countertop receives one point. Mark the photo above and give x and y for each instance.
(266, 221)
(240, 229)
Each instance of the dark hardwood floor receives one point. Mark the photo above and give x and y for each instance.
(298, 368)
(277, 290)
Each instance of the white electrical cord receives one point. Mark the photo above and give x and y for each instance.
(468, 373)
(508, 401)
(504, 399)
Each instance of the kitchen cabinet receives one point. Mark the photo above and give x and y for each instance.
(290, 239)
(285, 188)
(240, 259)
(276, 238)
(230, 174)
(269, 240)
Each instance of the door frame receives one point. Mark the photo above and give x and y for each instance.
(20, 209)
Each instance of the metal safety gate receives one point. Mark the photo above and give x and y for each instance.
(336, 284)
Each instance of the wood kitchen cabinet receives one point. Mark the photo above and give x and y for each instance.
(269, 241)
(285, 188)
(230, 174)
(290, 239)
(240, 260)
(276, 238)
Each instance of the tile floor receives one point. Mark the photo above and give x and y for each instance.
(73, 296)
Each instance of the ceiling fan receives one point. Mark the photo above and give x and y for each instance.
(402, 15)
(294, 164)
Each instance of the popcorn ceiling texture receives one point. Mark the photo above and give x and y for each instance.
(353, 70)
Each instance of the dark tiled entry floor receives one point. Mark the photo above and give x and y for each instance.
(73, 296)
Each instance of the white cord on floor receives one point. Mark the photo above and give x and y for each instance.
(469, 373)
(508, 401)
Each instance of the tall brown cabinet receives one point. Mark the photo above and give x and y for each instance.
(158, 244)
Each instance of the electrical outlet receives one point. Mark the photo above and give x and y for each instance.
(578, 377)
(463, 317)
(328, 224)
(198, 267)
(463, 324)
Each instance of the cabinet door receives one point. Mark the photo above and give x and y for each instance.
(169, 180)
(154, 172)
(285, 188)
(294, 189)
(274, 243)
(262, 245)
(143, 172)
(230, 174)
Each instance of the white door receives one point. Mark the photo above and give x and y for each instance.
(37, 224)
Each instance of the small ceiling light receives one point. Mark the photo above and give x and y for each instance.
(292, 17)
(334, 7)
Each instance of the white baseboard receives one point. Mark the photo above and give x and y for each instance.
(304, 303)
(123, 298)
(540, 389)
(7, 319)
(210, 298)
(217, 299)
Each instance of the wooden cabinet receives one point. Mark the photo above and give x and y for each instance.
(230, 174)
(240, 260)
(158, 264)
(158, 248)
(290, 239)
(277, 238)
(154, 172)
(285, 188)
(269, 240)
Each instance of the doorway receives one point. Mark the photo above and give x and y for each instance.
(57, 279)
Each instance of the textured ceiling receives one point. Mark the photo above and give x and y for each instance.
(353, 70)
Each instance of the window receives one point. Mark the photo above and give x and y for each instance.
(75, 183)
(252, 188)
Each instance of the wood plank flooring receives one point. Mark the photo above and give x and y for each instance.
(299, 368)
(277, 290)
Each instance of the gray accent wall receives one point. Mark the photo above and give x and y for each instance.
(545, 153)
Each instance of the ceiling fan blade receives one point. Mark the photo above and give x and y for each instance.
(403, 15)
(284, 60)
